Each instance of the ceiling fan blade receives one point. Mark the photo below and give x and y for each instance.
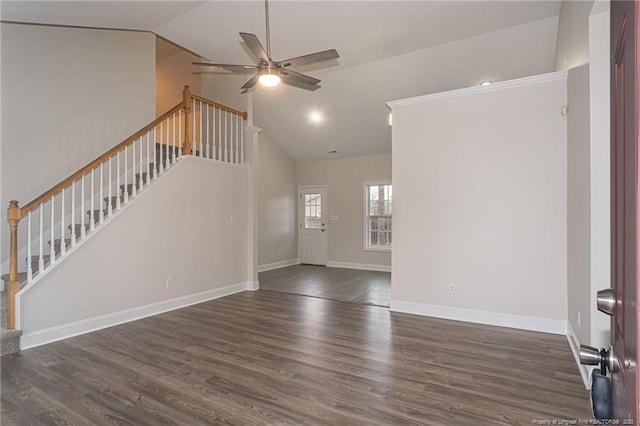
(286, 79)
(245, 69)
(325, 55)
(300, 83)
(251, 82)
(254, 45)
(296, 76)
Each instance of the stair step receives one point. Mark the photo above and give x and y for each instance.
(22, 277)
(144, 176)
(114, 201)
(96, 214)
(129, 190)
(35, 262)
(78, 228)
(9, 341)
(58, 241)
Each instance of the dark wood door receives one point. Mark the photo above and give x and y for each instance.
(624, 209)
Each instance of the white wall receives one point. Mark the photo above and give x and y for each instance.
(579, 203)
(277, 198)
(173, 71)
(572, 43)
(480, 202)
(224, 87)
(74, 93)
(345, 179)
(174, 229)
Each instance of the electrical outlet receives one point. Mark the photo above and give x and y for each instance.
(232, 217)
(168, 283)
(579, 320)
(452, 289)
(279, 252)
(351, 253)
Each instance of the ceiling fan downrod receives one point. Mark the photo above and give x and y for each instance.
(266, 14)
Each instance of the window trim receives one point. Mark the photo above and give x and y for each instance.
(366, 216)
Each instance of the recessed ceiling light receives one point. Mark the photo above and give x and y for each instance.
(315, 117)
(486, 83)
(332, 151)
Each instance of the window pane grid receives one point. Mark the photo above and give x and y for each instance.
(379, 210)
(313, 211)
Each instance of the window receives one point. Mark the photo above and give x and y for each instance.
(378, 198)
(313, 211)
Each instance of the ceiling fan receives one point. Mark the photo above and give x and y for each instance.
(269, 72)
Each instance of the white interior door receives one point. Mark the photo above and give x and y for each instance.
(313, 238)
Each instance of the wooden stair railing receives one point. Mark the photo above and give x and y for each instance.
(196, 126)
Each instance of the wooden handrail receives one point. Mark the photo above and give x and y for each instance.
(95, 163)
(243, 114)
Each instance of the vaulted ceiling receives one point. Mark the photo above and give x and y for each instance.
(388, 50)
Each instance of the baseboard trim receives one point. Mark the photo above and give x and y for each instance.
(65, 331)
(481, 317)
(277, 265)
(360, 266)
(574, 344)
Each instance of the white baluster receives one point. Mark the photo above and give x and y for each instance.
(52, 252)
(213, 133)
(231, 138)
(219, 134)
(82, 227)
(110, 206)
(226, 140)
(166, 147)
(174, 152)
(156, 166)
(29, 269)
(150, 172)
(201, 130)
(207, 141)
(180, 140)
(141, 180)
(118, 202)
(236, 140)
(133, 169)
(161, 143)
(63, 243)
(126, 177)
(41, 248)
(193, 128)
(92, 219)
(101, 200)
(242, 130)
(73, 213)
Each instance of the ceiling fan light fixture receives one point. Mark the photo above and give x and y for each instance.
(269, 80)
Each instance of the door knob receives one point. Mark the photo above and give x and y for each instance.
(589, 355)
(606, 301)
(592, 356)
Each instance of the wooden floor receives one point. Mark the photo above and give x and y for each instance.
(347, 285)
(267, 358)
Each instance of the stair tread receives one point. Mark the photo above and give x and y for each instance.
(22, 277)
(9, 341)
(57, 241)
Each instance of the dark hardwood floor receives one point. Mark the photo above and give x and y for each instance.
(267, 358)
(347, 285)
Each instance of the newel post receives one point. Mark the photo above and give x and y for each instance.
(13, 286)
(186, 100)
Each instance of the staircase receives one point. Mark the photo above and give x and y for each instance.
(196, 127)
